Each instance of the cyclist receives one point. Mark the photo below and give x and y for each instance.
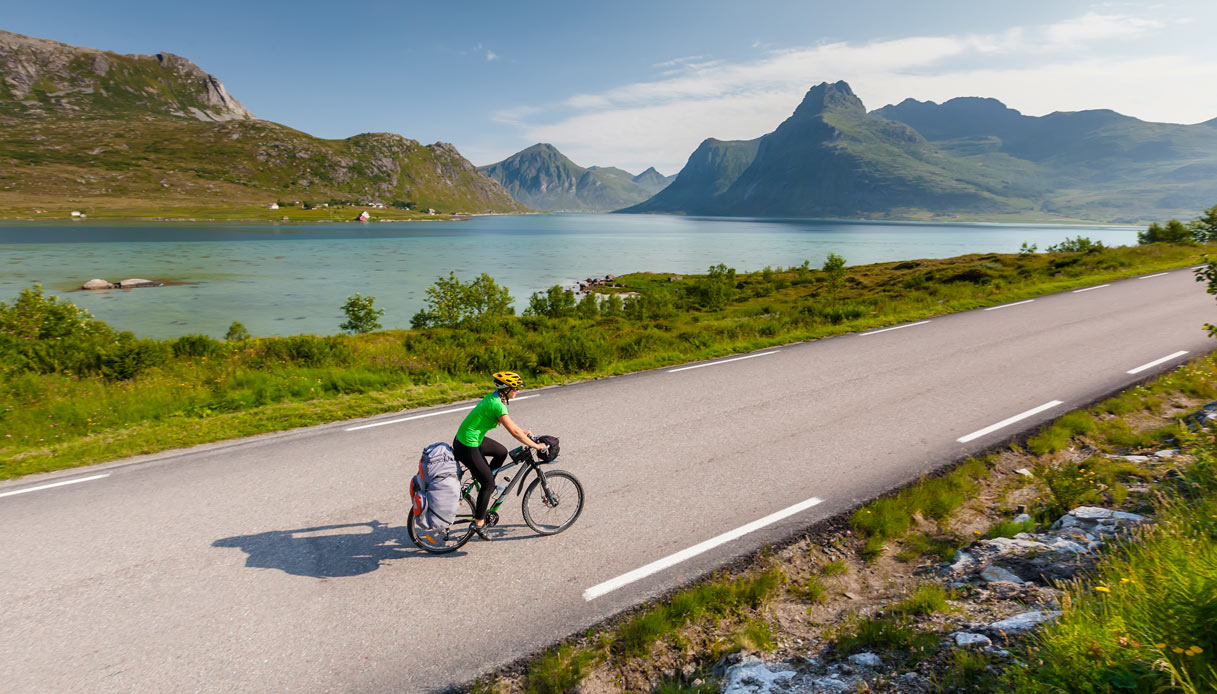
(472, 447)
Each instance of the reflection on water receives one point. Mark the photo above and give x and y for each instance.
(291, 279)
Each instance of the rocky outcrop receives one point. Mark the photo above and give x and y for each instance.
(44, 77)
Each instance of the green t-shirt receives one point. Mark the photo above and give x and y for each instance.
(483, 418)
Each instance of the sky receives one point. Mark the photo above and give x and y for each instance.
(635, 84)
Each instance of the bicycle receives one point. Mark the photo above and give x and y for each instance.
(550, 505)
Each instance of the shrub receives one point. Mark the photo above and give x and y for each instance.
(1081, 244)
(569, 353)
(196, 346)
(451, 302)
(362, 315)
(130, 357)
(1174, 232)
(35, 316)
(236, 333)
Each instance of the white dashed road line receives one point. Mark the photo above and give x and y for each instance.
(1157, 275)
(895, 327)
(1079, 291)
(424, 416)
(1155, 362)
(1016, 303)
(55, 484)
(722, 361)
(700, 548)
(1008, 422)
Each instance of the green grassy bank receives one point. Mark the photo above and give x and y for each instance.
(74, 391)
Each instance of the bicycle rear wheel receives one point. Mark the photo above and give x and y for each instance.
(444, 541)
(553, 504)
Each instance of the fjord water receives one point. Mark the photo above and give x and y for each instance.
(287, 279)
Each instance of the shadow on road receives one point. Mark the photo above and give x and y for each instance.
(334, 551)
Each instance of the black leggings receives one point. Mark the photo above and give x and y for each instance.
(475, 460)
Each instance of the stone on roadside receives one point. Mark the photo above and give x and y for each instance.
(1024, 472)
(1023, 518)
(963, 562)
(97, 284)
(965, 639)
(1024, 622)
(752, 676)
(866, 660)
(994, 573)
(1167, 453)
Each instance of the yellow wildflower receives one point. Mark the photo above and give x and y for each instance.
(1198, 649)
(1176, 649)
(1159, 645)
(1102, 589)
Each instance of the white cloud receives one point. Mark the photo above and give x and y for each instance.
(491, 56)
(1036, 69)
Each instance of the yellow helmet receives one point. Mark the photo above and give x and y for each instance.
(508, 379)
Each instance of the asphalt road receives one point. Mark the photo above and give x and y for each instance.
(281, 562)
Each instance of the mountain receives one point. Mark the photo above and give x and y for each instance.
(829, 158)
(91, 126)
(543, 178)
(968, 156)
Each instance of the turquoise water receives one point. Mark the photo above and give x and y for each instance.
(292, 279)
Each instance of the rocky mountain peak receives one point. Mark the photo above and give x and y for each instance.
(826, 97)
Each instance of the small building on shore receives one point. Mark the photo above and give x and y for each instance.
(363, 216)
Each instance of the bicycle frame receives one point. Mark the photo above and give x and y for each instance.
(521, 456)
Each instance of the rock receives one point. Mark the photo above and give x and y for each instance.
(1024, 472)
(1167, 453)
(1097, 521)
(751, 676)
(1136, 458)
(995, 573)
(829, 685)
(963, 562)
(97, 284)
(866, 660)
(965, 639)
(133, 283)
(1024, 622)
(1023, 518)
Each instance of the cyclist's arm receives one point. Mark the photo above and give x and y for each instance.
(519, 434)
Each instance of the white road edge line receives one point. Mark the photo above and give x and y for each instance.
(1008, 422)
(423, 416)
(1155, 362)
(896, 327)
(54, 484)
(723, 361)
(1198, 267)
(1079, 291)
(671, 560)
(1157, 275)
(1016, 303)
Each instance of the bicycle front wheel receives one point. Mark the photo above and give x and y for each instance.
(447, 540)
(553, 503)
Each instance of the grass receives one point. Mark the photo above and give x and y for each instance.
(936, 499)
(928, 598)
(55, 417)
(889, 632)
(811, 590)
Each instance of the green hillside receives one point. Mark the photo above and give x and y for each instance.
(105, 132)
